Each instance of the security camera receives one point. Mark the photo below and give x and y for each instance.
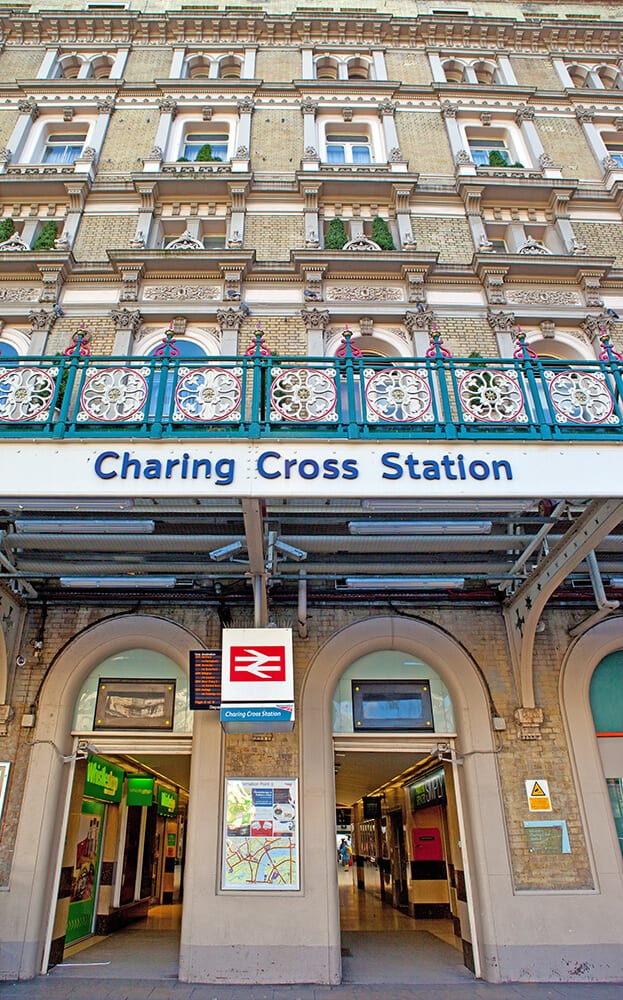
(226, 551)
(290, 550)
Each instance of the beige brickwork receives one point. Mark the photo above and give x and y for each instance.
(450, 238)
(100, 330)
(563, 139)
(282, 334)
(278, 65)
(276, 139)
(99, 233)
(7, 124)
(601, 238)
(464, 335)
(129, 138)
(20, 63)
(535, 71)
(424, 143)
(147, 64)
(408, 66)
(273, 236)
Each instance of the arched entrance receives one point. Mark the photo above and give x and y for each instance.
(478, 795)
(49, 795)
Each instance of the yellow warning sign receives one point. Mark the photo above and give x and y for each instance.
(537, 790)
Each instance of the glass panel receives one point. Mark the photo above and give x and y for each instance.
(335, 154)
(62, 153)
(130, 855)
(361, 154)
(606, 694)
(615, 790)
(7, 351)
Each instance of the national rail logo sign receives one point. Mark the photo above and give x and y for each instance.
(257, 665)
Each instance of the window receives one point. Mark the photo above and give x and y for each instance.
(230, 68)
(327, 69)
(485, 72)
(484, 151)
(101, 67)
(63, 147)
(69, 67)
(345, 147)
(358, 69)
(199, 66)
(7, 351)
(578, 75)
(454, 71)
(218, 142)
(610, 77)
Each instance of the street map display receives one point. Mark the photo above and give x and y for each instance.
(260, 846)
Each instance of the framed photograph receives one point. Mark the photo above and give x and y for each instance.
(130, 703)
(392, 705)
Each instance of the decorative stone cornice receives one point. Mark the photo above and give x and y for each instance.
(502, 322)
(28, 107)
(126, 319)
(230, 319)
(42, 320)
(524, 114)
(168, 106)
(316, 319)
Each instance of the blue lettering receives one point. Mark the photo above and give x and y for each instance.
(308, 469)
(224, 470)
(479, 470)
(128, 463)
(387, 460)
(506, 466)
(261, 467)
(153, 469)
(99, 462)
(349, 469)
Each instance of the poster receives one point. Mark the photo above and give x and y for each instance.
(260, 843)
(86, 867)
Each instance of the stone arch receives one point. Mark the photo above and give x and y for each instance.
(24, 922)
(485, 831)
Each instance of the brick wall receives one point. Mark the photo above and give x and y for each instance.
(129, 138)
(408, 67)
(276, 139)
(18, 63)
(563, 139)
(424, 143)
(273, 236)
(148, 64)
(450, 238)
(601, 238)
(535, 71)
(99, 233)
(7, 124)
(278, 65)
(101, 330)
(463, 335)
(284, 334)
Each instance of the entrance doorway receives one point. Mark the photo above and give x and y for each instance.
(403, 904)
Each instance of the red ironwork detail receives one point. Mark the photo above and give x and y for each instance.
(257, 345)
(79, 344)
(436, 348)
(522, 350)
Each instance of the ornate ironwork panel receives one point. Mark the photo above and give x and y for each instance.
(582, 397)
(25, 393)
(113, 395)
(208, 394)
(490, 395)
(303, 394)
(401, 395)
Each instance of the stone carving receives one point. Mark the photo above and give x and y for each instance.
(5, 155)
(14, 244)
(409, 243)
(88, 153)
(62, 244)
(386, 107)
(463, 159)
(347, 114)
(155, 153)
(181, 293)
(395, 155)
(595, 326)
(316, 319)
(486, 118)
(364, 293)
(310, 155)
(448, 109)
(495, 289)
(585, 115)
(542, 296)
(309, 106)
(106, 106)
(43, 320)
(502, 322)
(361, 243)
(185, 242)
(28, 107)
(28, 294)
(230, 319)
(168, 107)
(311, 240)
(246, 105)
(532, 246)
(235, 241)
(242, 153)
(484, 244)
(609, 163)
(68, 114)
(529, 722)
(577, 247)
(138, 243)
(419, 319)
(126, 319)
(545, 160)
(524, 114)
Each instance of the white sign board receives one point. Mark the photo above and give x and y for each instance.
(537, 790)
(260, 843)
(422, 470)
(257, 665)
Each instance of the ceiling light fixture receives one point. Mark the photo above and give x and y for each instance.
(83, 526)
(69, 504)
(383, 505)
(121, 582)
(420, 527)
(404, 582)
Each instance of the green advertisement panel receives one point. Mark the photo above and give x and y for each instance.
(104, 781)
(167, 801)
(140, 790)
(86, 868)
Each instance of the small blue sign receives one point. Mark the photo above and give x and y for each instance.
(266, 717)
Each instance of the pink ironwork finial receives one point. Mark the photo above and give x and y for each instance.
(167, 346)
(347, 346)
(436, 348)
(79, 343)
(607, 351)
(258, 345)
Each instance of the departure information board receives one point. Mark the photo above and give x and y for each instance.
(205, 678)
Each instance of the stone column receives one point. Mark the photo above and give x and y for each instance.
(524, 117)
(142, 236)
(238, 196)
(586, 118)
(230, 321)
(386, 111)
(42, 323)
(378, 59)
(316, 325)
(176, 70)
(248, 66)
(506, 70)
(126, 322)
(461, 156)
(168, 111)
(473, 208)
(28, 113)
(48, 64)
(240, 160)
(311, 158)
(439, 75)
(118, 67)
(402, 205)
(311, 193)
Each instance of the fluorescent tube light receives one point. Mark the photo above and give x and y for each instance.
(420, 527)
(385, 505)
(404, 582)
(67, 505)
(95, 582)
(83, 526)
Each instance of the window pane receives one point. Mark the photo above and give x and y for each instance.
(361, 154)
(61, 154)
(335, 154)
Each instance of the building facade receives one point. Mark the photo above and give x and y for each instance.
(311, 319)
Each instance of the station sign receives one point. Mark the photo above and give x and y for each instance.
(265, 717)
(205, 678)
(257, 666)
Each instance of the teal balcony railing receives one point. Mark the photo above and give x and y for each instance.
(258, 396)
